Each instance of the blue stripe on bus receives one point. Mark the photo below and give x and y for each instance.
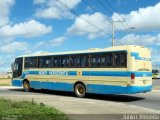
(90, 88)
(72, 73)
(116, 73)
(137, 56)
(97, 73)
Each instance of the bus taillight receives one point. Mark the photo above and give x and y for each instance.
(132, 76)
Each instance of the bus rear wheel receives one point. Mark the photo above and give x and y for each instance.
(80, 90)
(26, 86)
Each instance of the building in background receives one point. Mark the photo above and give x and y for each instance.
(6, 75)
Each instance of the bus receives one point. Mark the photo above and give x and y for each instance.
(155, 73)
(113, 70)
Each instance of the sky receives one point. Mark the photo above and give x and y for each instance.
(34, 26)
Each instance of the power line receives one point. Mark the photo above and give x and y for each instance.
(113, 9)
(104, 7)
(95, 10)
(75, 13)
(112, 22)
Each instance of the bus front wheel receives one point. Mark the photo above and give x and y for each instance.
(26, 86)
(80, 90)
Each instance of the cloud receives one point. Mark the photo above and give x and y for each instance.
(31, 28)
(5, 6)
(92, 36)
(40, 52)
(14, 46)
(145, 40)
(57, 42)
(54, 10)
(155, 56)
(50, 43)
(39, 1)
(1, 61)
(5, 62)
(81, 27)
(144, 19)
(39, 44)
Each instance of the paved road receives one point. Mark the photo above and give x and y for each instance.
(156, 84)
(92, 104)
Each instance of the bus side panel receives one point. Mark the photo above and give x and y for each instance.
(49, 80)
(17, 82)
(103, 80)
(61, 86)
(112, 89)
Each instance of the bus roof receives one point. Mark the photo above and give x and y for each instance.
(91, 50)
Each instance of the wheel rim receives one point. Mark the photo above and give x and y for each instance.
(26, 86)
(80, 90)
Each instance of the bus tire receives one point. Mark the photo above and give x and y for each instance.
(26, 86)
(80, 90)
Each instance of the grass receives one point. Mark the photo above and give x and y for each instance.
(28, 111)
(5, 82)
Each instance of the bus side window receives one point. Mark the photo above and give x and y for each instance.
(27, 63)
(95, 60)
(74, 61)
(40, 62)
(56, 62)
(44, 62)
(31, 62)
(123, 59)
(65, 61)
(47, 62)
(71, 61)
(84, 61)
(107, 60)
(120, 59)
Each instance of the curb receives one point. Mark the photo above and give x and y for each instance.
(8, 87)
(155, 91)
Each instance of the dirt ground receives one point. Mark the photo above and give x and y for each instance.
(5, 82)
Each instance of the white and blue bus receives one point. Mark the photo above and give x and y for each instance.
(113, 70)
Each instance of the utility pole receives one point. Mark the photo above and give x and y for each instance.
(113, 31)
(113, 44)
